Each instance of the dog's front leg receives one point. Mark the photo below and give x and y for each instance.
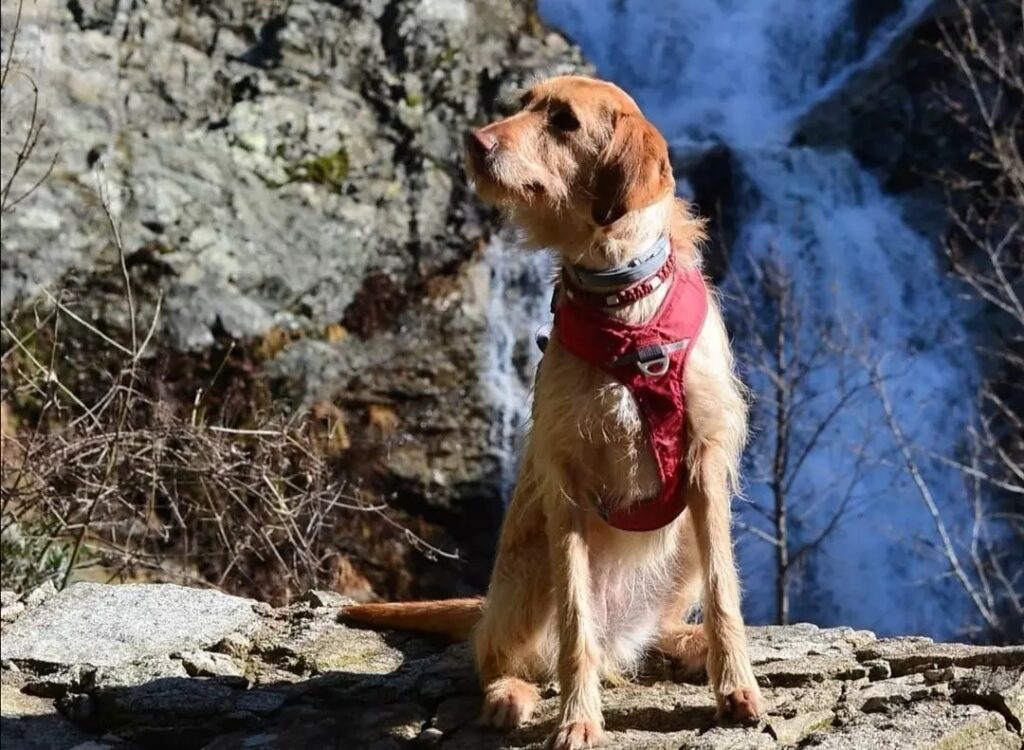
(581, 724)
(732, 676)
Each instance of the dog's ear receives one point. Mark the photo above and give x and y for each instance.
(632, 172)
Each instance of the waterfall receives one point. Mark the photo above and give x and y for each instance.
(872, 285)
(741, 73)
(518, 304)
(735, 70)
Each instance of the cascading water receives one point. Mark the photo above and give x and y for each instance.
(871, 285)
(518, 304)
(735, 70)
(741, 73)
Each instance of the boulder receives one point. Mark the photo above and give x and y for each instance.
(111, 626)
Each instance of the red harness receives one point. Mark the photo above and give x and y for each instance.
(647, 359)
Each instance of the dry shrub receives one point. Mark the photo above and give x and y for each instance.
(125, 461)
(128, 486)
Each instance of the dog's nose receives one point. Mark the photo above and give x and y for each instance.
(480, 143)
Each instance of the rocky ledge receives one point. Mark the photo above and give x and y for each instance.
(161, 666)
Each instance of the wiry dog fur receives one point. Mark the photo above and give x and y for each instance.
(581, 172)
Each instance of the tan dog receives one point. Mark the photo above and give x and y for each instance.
(583, 173)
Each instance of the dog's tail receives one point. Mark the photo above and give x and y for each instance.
(455, 618)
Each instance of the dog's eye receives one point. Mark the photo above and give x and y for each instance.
(562, 118)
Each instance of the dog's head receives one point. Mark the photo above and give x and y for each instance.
(578, 149)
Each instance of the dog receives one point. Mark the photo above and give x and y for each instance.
(581, 172)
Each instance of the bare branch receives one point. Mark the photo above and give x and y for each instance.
(925, 493)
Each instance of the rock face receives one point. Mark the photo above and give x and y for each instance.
(289, 171)
(165, 667)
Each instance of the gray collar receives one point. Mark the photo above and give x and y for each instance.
(644, 265)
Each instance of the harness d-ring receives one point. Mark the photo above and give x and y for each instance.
(655, 368)
(653, 360)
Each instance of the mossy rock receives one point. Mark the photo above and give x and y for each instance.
(330, 170)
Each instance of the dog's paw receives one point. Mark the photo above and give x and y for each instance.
(742, 704)
(508, 703)
(576, 735)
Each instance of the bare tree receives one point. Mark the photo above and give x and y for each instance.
(979, 563)
(984, 43)
(781, 354)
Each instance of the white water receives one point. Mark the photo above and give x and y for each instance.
(871, 286)
(518, 304)
(737, 70)
(741, 72)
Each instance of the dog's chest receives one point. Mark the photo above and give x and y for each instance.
(631, 578)
(589, 424)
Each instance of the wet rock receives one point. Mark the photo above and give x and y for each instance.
(707, 178)
(890, 90)
(891, 116)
